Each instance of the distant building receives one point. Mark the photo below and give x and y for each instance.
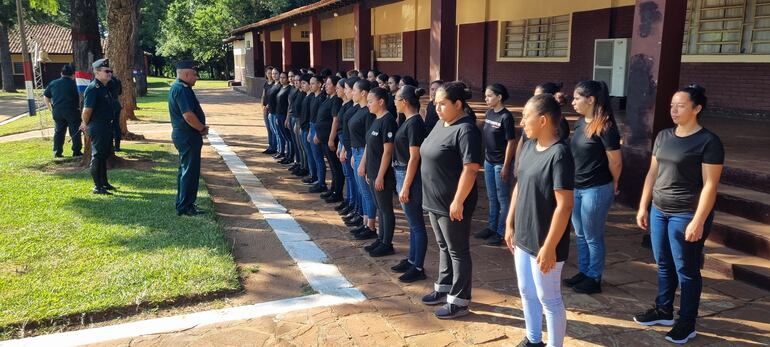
(55, 45)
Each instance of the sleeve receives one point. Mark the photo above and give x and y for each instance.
(336, 105)
(611, 138)
(714, 152)
(469, 145)
(89, 98)
(389, 128)
(656, 145)
(509, 126)
(415, 134)
(564, 129)
(47, 92)
(563, 170)
(182, 101)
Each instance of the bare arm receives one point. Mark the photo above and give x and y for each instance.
(411, 171)
(48, 103)
(362, 165)
(387, 154)
(464, 186)
(615, 160)
(510, 152)
(643, 215)
(516, 157)
(708, 196)
(511, 218)
(546, 257)
(333, 134)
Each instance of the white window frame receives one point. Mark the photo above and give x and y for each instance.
(400, 42)
(304, 34)
(527, 30)
(746, 31)
(345, 43)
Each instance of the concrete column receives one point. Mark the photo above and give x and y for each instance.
(286, 46)
(656, 52)
(267, 51)
(315, 43)
(258, 60)
(443, 37)
(362, 27)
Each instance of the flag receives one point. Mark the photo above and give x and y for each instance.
(82, 79)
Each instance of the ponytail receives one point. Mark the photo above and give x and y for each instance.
(602, 114)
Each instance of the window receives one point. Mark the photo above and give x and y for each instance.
(389, 46)
(348, 49)
(18, 68)
(248, 44)
(305, 34)
(727, 27)
(536, 37)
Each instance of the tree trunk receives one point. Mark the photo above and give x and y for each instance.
(121, 19)
(5, 61)
(86, 48)
(139, 66)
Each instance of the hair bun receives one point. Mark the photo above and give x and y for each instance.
(699, 88)
(419, 92)
(468, 94)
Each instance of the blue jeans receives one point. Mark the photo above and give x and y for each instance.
(308, 153)
(679, 261)
(284, 135)
(418, 237)
(499, 196)
(541, 293)
(270, 136)
(367, 200)
(318, 156)
(350, 179)
(273, 132)
(589, 215)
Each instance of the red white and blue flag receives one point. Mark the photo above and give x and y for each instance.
(83, 79)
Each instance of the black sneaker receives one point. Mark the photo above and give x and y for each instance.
(268, 151)
(333, 199)
(58, 155)
(655, 316)
(434, 298)
(356, 221)
(451, 311)
(326, 194)
(484, 234)
(350, 216)
(309, 180)
(682, 332)
(346, 210)
(588, 286)
(100, 191)
(402, 266)
(341, 206)
(372, 245)
(367, 234)
(569, 282)
(495, 240)
(358, 229)
(109, 187)
(77, 154)
(525, 343)
(317, 189)
(382, 250)
(413, 275)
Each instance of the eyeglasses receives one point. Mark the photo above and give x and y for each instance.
(107, 71)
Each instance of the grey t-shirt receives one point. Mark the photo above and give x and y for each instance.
(540, 173)
(680, 176)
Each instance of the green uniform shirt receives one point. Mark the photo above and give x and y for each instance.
(181, 99)
(63, 93)
(99, 98)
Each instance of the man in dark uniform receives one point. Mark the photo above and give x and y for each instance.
(63, 100)
(98, 104)
(116, 89)
(189, 126)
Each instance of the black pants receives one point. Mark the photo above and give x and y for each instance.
(338, 176)
(62, 124)
(116, 133)
(188, 175)
(101, 147)
(455, 265)
(384, 202)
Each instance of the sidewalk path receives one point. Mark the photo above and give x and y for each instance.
(732, 313)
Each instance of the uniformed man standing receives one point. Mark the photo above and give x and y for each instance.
(98, 104)
(116, 89)
(189, 126)
(63, 100)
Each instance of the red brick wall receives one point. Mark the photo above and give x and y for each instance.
(276, 54)
(422, 52)
(470, 65)
(300, 54)
(621, 22)
(415, 57)
(731, 85)
(331, 56)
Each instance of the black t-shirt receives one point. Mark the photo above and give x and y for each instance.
(315, 105)
(680, 177)
(325, 116)
(358, 125)
(282, 100)
(295, 103)
(544, 172)
(341, 114)
(292, 95)
(382, 131)
(411, 133)
(499, 128)
(444, 153)
(265, 91)
(305, 112)
(272, 97)
(592, 168)
(349, 113)
(431, 117)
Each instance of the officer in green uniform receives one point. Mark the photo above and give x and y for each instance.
(98, 112)
(63, 100)
(116, 89)
(188, 124)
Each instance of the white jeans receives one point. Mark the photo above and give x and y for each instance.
(541, 292)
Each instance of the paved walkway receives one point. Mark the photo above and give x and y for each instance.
(13, 105)
(732, 313)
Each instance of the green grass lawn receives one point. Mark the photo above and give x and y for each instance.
(42, 120)
(65, 251)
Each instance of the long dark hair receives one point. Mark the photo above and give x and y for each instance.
(697, 95)
(603, 117)
(546, 104)
(412, 95)
(459, 91)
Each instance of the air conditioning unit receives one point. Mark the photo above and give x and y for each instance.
(611, 64)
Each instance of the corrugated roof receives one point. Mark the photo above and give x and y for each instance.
(297, 12)
(51, 38)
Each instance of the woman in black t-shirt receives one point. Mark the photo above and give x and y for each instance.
(336, 143)
(451, 158)
(682, 184)
(431, 117)
(266, 88)
(355, 207)
(563, 128)
(325, 128)
(499, 133)
(595, 146)
(379, 174)
(536, 227)
(406, 165)
(358, 125)
(281, 111)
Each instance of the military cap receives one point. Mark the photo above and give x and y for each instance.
(186, 64)
(67, 70)
(104, 62)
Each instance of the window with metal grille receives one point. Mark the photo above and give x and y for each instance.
(535, 37)
(389, 46)
(305, 34)
(18, 68)
(348, 49)
(727, 27)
